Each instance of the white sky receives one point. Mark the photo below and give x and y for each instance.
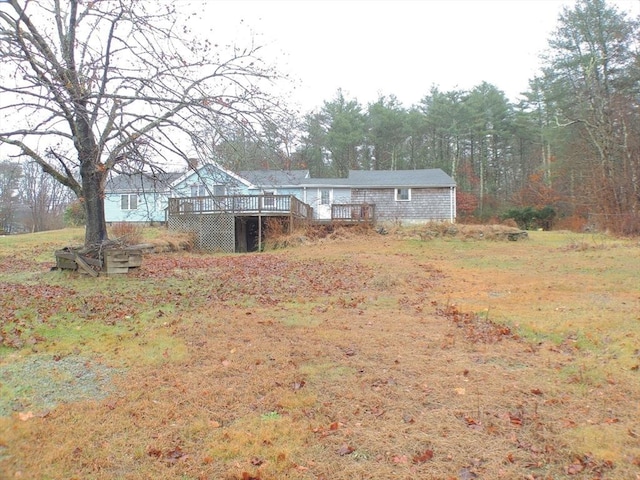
(401, 47)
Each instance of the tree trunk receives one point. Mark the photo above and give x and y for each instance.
(93, 180)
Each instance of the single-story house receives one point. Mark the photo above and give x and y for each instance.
(139, 197)
(406, 196)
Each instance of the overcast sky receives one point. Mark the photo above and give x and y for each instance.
(374, 47)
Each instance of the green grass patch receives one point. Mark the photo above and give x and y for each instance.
(326, 371)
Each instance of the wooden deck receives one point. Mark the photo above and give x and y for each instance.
(242, 205)
(236, 222)
(269, 205)
(353, 213)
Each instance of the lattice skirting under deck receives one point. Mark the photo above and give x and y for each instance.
(214, 232)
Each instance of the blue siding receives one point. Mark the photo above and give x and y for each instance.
(150, 208)
(210, 176)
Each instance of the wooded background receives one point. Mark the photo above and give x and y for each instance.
(570, 143)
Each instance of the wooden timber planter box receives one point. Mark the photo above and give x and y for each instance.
(112, 261)
(120, 260)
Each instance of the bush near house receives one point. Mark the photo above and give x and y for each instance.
(127, 233)
(529, 218)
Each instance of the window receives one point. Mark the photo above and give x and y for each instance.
(219, 190)
(198, 190)
(129, 201)
(325, 196)
(403, 194)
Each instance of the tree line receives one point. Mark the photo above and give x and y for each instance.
(570, 144)
(30, 200)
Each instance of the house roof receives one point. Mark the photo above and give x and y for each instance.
(424, 178)
(275, 178)
(209, 167)
(327, 182)
(432, 177)
(141, 182)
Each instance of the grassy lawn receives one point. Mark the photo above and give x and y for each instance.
(355, 356)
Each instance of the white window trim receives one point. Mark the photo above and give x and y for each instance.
(200, 190)
(129, 195)
(402, 199)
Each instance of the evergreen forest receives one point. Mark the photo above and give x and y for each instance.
(570, 145)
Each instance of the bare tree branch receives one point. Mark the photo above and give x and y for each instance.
(113, 81)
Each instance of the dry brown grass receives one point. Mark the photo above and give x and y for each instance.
(278, 237)
(360, 357)
(127, 233)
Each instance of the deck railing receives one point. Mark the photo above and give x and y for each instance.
(353, 212)
(241, 205)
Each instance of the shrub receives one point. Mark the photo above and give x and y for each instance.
(127, 232)
(528, 218)
(74, 214)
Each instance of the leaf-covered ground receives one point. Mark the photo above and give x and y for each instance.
(366, 356)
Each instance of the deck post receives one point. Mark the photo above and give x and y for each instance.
(291, 207)
(259, 233)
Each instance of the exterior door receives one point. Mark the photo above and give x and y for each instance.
(324, 203)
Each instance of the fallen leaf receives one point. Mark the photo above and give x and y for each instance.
(400, 459)
(154, 452)
(248, 476)
(515, 419)
(175, 454)
(423, 457)
(345, 450)
(473, 423)
(408, 418)
(298, 385)
(255, 461)
(466, 474)
(574, 468)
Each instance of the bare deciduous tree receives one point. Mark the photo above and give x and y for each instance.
(87, 84)
(10, 175)
(45, 198)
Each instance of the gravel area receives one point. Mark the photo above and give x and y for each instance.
(39, 383)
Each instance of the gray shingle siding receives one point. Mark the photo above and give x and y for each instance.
(426, 204)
